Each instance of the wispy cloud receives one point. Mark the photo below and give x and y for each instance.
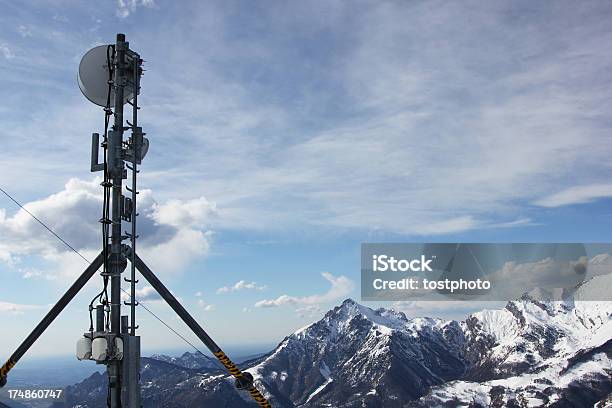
(393, 124)
(402, 136)
(241, 285)
(60, 18)
(309, 311)
(127, 7)
(447, 226)
(15, 308)
(147, 293)
(576, 195)
(205, 306)
(341, 287)
(24, 31)
(6, 51)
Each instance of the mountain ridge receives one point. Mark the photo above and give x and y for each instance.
(529, 353)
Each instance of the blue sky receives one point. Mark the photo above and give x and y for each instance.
(284, 135)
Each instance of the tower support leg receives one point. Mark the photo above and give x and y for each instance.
(244, 380)
(50, 317)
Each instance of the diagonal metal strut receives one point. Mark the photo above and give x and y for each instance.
(50, 317)
(243, 380)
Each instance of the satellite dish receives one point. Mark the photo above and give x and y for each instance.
(93, 77)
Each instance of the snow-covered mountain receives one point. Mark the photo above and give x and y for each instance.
(355, 355)
(531, 353)
(156, 377)
(191, 360)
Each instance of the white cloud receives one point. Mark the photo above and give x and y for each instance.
(15, 308)
(309, 311)
(179, 251)
(172, 235)
(24, 31)
(183, 213)
(576, 195)
(60, 18)
(147, 293)
(515, 223)
(449, 226)
(341, 287)
(60, 266)
(241, 285)
(6, 51)
(5, 255)
(72, 213)
(127, 7)
(199, 294)
(205, 306)
(29, 273)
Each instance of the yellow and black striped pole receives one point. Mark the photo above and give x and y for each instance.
(243, 380)
(5, 370)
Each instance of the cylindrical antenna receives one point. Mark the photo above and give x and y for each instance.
(100, 318)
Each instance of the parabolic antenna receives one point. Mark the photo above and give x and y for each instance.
(93, 77)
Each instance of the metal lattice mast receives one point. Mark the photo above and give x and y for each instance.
(116, 344)
(117, 259)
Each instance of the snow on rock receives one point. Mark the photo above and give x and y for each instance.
(529, 353)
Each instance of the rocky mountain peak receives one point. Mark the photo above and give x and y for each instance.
(350, 309)
(552, 354)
